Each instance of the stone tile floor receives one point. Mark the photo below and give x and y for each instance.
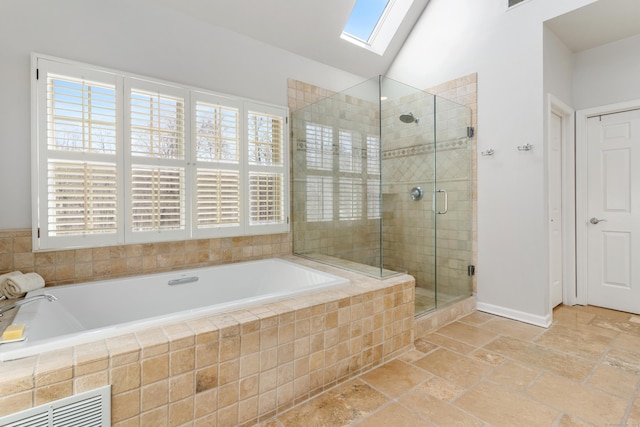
(484, 370)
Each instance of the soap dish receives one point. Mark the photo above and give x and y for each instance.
(15, 340)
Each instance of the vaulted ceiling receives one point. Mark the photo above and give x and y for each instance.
(310, 28)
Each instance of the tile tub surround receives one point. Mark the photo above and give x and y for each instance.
(237, 368)
(64, 267)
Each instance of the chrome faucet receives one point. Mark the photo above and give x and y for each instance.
(11, 306)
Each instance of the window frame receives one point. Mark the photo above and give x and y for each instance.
(43, 65)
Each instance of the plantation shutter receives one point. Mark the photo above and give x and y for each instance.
(78, 146)
(217, 201)
(120, 159)
(266, 167)
(156, 161)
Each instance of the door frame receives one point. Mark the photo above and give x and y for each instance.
(567, 184)
(581, 188)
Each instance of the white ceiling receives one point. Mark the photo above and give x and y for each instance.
(599, 23)
(310, 28)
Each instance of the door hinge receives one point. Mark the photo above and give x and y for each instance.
(37, 73)
(470, 131)
(38, 232)
(471, 270)
(287, 220)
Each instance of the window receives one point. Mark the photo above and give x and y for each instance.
(511, 3)
(343, 178)
(319, 198)
(373, 23)
(123, 159)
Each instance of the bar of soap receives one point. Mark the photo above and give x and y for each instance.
(13, 332)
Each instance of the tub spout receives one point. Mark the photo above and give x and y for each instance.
(11, 306)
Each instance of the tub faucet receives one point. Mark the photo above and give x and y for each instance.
(11, 306)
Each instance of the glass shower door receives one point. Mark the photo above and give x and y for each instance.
(453, 205)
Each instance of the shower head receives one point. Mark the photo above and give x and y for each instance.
(408, 118)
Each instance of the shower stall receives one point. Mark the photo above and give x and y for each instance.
(382, 185)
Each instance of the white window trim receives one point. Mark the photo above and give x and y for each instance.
(124, 234)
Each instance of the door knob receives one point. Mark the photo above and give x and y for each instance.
(595, 220)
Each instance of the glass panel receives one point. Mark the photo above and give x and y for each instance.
(408, 164)
(453, 180)
(368, 164)
(336, 180)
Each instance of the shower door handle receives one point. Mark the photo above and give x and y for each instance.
(446, 202)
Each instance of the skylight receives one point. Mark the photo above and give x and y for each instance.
(364, 18)
(373, 23)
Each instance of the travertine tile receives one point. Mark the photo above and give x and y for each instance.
(568, 421)
(627, 342)
(615, 381)
(513, 328)
(338, 407)
(634, 413)
(395, 378)
(502, 407)
(488, 357)
(436, 410)
(460, 370)
(154, 395)
(477, 318)
(449, 343)
(577, 400)
(624, 359)
(468, 334)
(440, 389)
(561, 363)
(583, 343)
(396, 415)
(513, 375)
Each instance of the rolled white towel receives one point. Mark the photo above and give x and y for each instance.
(5, 276)
(17, 285)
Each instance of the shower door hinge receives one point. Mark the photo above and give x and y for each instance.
(471, 270)
(470, 131)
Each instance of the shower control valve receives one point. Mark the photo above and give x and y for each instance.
(416, 193)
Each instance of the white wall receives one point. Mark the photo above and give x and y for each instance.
(457, 37)
(607, 74)
(134, 36)
(558, 68)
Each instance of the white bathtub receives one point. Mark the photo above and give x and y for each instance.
(97, 310)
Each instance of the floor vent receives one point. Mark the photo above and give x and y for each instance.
(89, 409)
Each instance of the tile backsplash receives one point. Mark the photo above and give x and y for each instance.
(83, 265)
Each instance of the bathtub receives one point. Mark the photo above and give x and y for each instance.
(98, 310)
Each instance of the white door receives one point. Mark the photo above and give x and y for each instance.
(555, 208)
(613, 211)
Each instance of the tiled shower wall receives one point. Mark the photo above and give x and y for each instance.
(83, 265)
(355, 240)
(407, 161)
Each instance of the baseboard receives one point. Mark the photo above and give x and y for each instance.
(521, 316)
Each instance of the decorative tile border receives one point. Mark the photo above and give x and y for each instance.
(416, 150)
